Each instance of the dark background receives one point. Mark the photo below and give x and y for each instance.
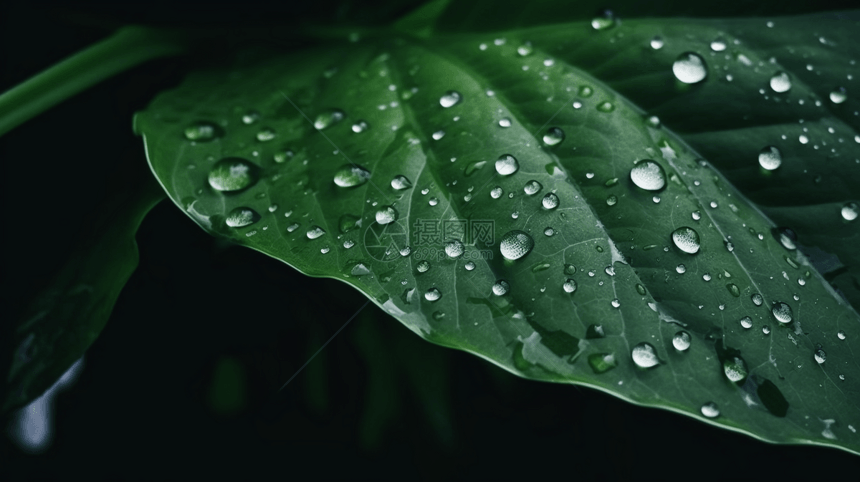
(378, 402)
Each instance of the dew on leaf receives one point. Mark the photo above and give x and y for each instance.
(496, 192)
(849, 211)
(819, 355)
(454, 248)
(838, 95)
(400, 182)
(351, 175)
(569, 286)
(780, 82)
(507, 165)
(644, 355)
(757, 299)
(241, 217)
(386, 215)
(648, 175)
(532, 187)
(601, 362)
(422, 266)
(550, 201)
(266, 134)
(770, 158)
(710, 410)
(690, 68)
(451, 98)
(360, 127)
(657, 43)
(315, 232)
(501, 287)
(718, 45)
(432, 294)
(782, 312)
(504, 122)
(686, 239)
(516, 244)
(233, 174)
(203, 131)
(735, 369)
(328, 119)
(746, 322)
(681, 341)
(553, 136)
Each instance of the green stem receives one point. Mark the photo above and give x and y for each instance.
(128, 47)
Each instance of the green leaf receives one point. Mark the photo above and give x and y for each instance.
(67, 316)
(341, 161)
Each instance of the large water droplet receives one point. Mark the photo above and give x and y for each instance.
(849, 211)
(644, 355)
(780, 82)
(757, 299)
(501, 287)
(422, 266)
(266, 134)
(315, 232)
(469, 266)
(240, 217)
(550, 201)
(786, 237)
(203, 131)
(351, 175)
(718, 45)
(450, 98)
(681, 341)
(690, 68)
(400, 183)
(657, 43)
(733, 289)
(432, 294)
(820, 356)
(516, 244)
(686, 239)
(532, 187)
(746, 322)
(454, 248)
(496, 192)
(604, 21)
(782, 312)
(386, 215)
(233, 174)
(569, 286)
(838, 95)
(648, 175)
(328, 119)
(770, 158)
(710, 410)
(553, 136)
(735, 369)
(507, 165)
(569, 269)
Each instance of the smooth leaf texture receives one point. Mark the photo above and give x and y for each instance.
(67, 316)
(436, 112)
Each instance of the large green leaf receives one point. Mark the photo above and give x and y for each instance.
(267, 148)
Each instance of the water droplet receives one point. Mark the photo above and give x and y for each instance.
(315, 232)
(454, 248)
(504, 122)
(400, 183)
(586, 91)
(359, 269)
(281, 157)
(569, 286)
(690, 68)
(470, 266)
(516, 244)
(648, 175)
(611, 200)
(710, 410)
(328, 118)
(241, 217)
(787, 238)
(757, 299)
(780, 82)
(292, 227)
(681, 269)
(266, 134)
(496, 192)
(820, 356)
(657, 43)
(601, 362)
(849, 211)
(386, 215)
(765, 330)
(250, 117)
(746, 322)
(640, 289)
(604, 21)
(653, 121)
(532, 187)
(422, 266)
(681, 341)
(770, 158)
(351, 175)
(841, 334)
(735, 369)
(550, 201)
(553, 136)
(450, 98)
(686, 239)
(706, 276)
(718, 45)
(473, 166)
(782, 312)
(501, 287)
(548, 231)
(838, 95)
(432, 294)
(616, 303)
(733, 289)
(507, 165)
(606, 106)
(525, 49)
(203, 132)
(569, 269)
(360, 127)
(233, 174)
(433, 201)
(348, 243)
(404, 251)
(644, 355)
(438, 135)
